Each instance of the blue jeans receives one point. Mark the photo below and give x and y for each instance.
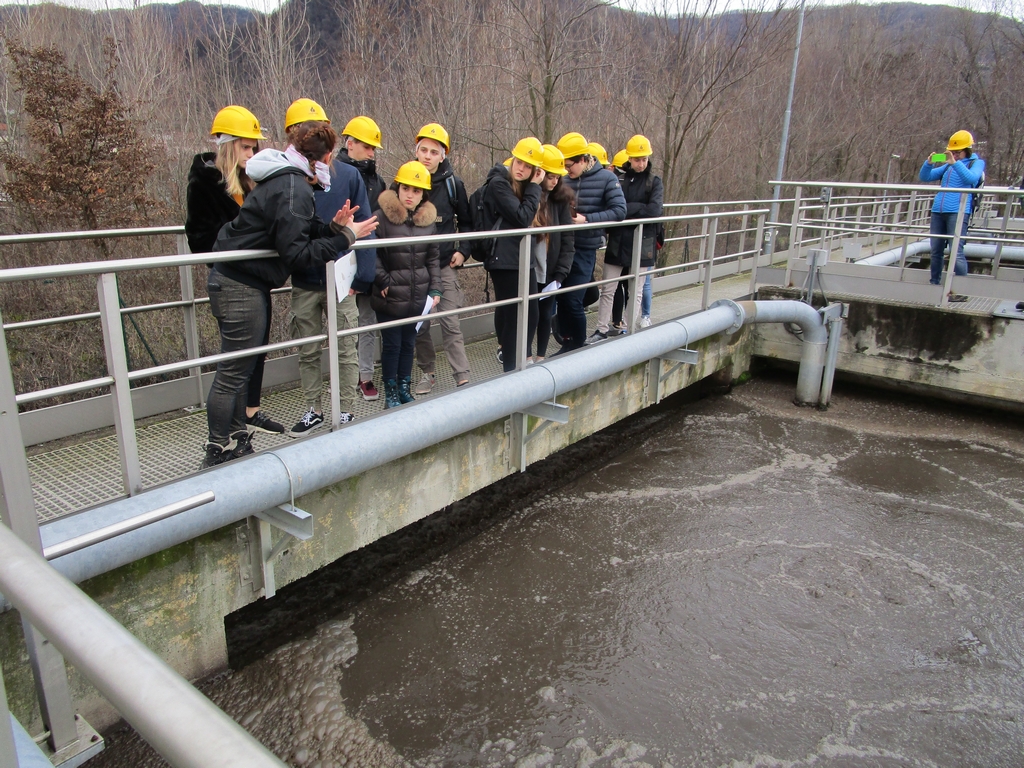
(648, 297)
(572, 320)
(945, 224)
(241, 313)
(398, 345)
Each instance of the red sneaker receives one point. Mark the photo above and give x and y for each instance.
(368, 391)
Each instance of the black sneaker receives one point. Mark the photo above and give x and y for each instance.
(346, 418)
(957, 298)
(500, 357)
(310, 421)
(260, 422)
(595, 337)
(216, 454)
(243, 445)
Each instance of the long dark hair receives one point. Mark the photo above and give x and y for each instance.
(519, 187)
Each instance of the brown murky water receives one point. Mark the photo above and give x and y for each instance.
(756, 585)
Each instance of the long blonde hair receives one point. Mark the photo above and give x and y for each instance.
(235, 179)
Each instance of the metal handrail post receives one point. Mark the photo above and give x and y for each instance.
(117, 366)
(712, 238)
(703, 235)
(954, 244)
(8, 754)
(757, 253)
(796, 231)
(181, 724)
(188, 294)
(333, 368)
(1002, 236)
(18, 512)
(634, 276)
(523, 308)
(744, 223)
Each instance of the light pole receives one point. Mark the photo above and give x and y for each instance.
(889, 167)
(777, 193)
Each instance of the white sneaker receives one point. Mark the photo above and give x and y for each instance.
(426, 384)
(645, 321)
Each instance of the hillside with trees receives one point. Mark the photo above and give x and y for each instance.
(708, 88)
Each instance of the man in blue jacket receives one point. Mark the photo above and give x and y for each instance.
(961, 168)
(309, 306)
(598, 198)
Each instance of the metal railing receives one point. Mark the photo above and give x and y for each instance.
(119, 378)
(894, 219)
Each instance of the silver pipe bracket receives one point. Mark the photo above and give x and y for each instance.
(741, 316)
(294, 523)
(685, 356)
(549, 412)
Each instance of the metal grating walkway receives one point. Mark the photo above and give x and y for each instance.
(72, 478)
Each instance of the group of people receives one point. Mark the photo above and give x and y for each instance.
(310, 202)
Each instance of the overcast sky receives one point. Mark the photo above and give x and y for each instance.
(269, 5)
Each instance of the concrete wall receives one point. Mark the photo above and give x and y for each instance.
(969, 357)
(176, 601)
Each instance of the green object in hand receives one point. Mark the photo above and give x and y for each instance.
(939, 157)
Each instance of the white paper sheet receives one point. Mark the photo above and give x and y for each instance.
(426, 311)
(554, 285)
(344, 273)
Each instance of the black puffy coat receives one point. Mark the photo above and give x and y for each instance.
(599, 198)
(448, 194)
(279, 216)
(502, 203)
(208, 205)
(410, 272)
(644, 195)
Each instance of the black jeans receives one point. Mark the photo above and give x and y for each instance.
(572, 320)
(545, 310)
(506, 286)
(241, 314)
(398, 346)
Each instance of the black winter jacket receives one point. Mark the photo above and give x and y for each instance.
(452, 215)
(514, 213)
(279, 215)
(599, 198)
(208, 205)
(409, 272)
(644, 194)
(372, 180)
(561, 245)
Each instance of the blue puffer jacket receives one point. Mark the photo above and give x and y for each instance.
(963, 174)
(346, 184)
(599, 198)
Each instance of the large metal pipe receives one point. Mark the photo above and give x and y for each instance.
(172, 716)
(974, 250)
(814, 335)
(267, 479)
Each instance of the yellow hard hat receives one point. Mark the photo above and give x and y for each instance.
(436, 132)
(554, 160)
(573, 145)
(363, 129)
(960, 140)
(620, 158)
(237, 121)
(304, 110)
(639, 146)
(507, 162)
(414, 174)
(529, 150)
(595, 149)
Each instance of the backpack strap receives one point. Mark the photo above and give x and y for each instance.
(452, 195)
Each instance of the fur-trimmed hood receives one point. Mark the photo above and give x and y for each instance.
(424, 215)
